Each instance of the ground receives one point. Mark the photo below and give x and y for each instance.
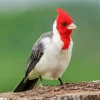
(70, 91)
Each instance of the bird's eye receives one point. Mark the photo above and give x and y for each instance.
(64, 24)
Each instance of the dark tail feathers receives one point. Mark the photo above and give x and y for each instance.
(25, 85)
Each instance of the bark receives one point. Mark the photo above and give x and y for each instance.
(69, 91)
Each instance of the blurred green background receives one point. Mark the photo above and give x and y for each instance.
(22, 23)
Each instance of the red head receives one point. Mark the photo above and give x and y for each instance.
(64, 26)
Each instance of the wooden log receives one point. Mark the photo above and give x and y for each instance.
(69, 91)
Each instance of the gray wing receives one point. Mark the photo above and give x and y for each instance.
(36, 53)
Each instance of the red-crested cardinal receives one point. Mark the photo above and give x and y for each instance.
(51, 53)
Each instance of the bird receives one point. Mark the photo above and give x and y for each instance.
(50, 54)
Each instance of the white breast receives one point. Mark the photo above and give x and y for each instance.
(54, 61)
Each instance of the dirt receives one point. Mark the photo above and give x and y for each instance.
(52, 91)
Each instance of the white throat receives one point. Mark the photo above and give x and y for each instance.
(56, 37)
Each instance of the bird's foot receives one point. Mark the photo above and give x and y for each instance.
(63, 85)
(42, 86)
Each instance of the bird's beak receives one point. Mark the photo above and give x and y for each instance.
(72, 26)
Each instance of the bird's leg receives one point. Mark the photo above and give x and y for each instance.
(41, 84)
(41, 79)
(61, 82)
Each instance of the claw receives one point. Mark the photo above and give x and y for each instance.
(63, 86)
(41, 86)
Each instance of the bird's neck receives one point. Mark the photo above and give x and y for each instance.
(62, 40)
(66, 37)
